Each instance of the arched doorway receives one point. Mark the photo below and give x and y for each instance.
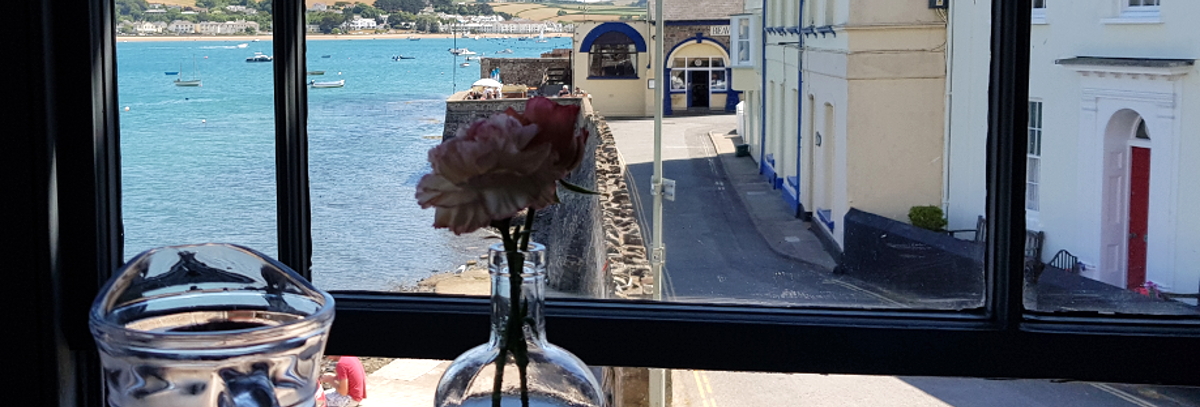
(699, 75)
(1126, 192)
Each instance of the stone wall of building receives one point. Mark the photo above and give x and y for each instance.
(525, 71)
(679, 33)
(461, 111)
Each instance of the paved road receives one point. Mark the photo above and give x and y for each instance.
(714, 252)
(692, 388)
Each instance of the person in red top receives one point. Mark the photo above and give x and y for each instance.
(349, 385)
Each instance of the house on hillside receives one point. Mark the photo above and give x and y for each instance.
(182, 27)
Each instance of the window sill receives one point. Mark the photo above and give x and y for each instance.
(1038, 20)
(610, 77)
(1134, 19)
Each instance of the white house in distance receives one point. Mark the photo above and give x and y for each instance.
(1114, 151)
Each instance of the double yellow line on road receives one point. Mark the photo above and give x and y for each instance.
(707, 398)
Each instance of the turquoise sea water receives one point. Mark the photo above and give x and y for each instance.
(198, 162)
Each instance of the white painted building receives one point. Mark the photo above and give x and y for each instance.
(146, 27)
(1114, 154)
(227, 27)
(359, 23)
(848, 111)
(182, 27)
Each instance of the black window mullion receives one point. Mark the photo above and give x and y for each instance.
(291, 137)
(765, 339)
(1008, 97)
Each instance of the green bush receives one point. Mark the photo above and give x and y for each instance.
(927, 217)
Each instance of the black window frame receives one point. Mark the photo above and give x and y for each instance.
(61, 166)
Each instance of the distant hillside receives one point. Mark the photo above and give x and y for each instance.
(530, 11)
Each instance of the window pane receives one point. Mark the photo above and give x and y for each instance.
(718, 80)
(743, 51)
(1110, 195)
(679, 80)
(197, 128)
(612, 61)
(369, 140)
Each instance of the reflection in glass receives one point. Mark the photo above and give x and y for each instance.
(718, 80)
(678, 80)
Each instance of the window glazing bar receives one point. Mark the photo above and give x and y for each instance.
(291, 137)
(1008, 93)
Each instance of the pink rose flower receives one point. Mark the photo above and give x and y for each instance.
(556, 126)
(501, 165)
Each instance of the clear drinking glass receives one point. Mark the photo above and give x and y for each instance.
(210, 325)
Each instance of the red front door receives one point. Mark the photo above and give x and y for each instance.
(1139, 203)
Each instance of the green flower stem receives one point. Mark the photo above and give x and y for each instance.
(528, 228)
(512, 339)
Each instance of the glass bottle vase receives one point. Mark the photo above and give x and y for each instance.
(553, 376)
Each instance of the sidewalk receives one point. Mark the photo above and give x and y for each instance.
(784, 232)
(404, 382)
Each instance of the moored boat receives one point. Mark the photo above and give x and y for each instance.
(328, 84)
(259, 57)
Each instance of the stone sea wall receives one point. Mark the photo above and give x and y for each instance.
(595, 246)
(524, 71)
(461, 111)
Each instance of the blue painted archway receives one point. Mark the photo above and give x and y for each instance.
(638, 42)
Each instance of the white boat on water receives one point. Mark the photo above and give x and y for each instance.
(259, 57)
(465, 64)
(474, 58)
(243, 45)
(328, 84)
(194, 80)
(504, 51)
(461, 51)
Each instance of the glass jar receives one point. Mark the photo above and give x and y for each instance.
(210, 325)
(552, 375)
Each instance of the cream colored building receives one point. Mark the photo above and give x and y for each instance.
(613, 61)
(1115, 144)
(851, 108)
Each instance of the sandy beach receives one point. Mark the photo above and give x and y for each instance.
(310, 36)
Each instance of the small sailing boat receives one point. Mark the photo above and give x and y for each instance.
(194, 80)
(542, 35)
